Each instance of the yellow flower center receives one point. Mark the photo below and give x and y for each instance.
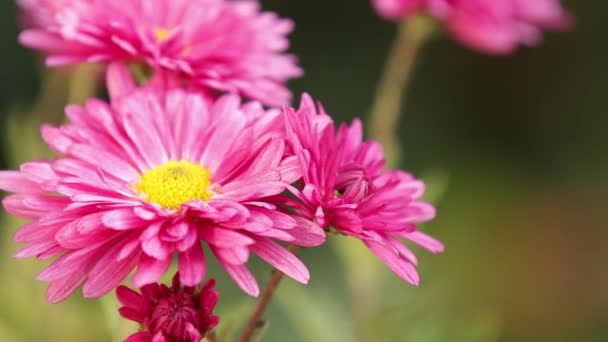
(161, 34)
(175, 183)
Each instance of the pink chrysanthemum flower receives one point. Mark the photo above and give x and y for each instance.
(345, 189)
(228, 46)
(151, 175)
(490, 26)
(170, 314)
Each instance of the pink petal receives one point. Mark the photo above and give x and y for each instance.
(307, 234)
(108, 272)
(131, 299)
(149, 270)
(224, 237)
(281, 259)
(242, 276)
(234, 256)
(119, 81)
(13, 181)
(191, 265)
(61, 289)
(403, 268)
(55, 138)
(425, 241)
(122, 219)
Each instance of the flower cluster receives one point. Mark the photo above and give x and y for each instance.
(156, 172)
(205, 158)
(490, 26)
(163, 169)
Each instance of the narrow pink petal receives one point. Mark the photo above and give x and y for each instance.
(346, 219)
(403, 268)
(149, 270)
(122, 219)
(269, 157)
(421, 212)
(39, 172)
(36, 232)
(224, 237)
(281, 259)
(192, 266)
(402, 249)
(188, 240)
(278, 234)
(55, 138)
(70, 237)
(16, 205)
(243, 278)
(132, 314)
(62, 60)
(108, 162)
(131, 299)
(425, 241)
(307, 233)
(290, 170)
(71, 262)
(108, 272)
(245, 190)
(14, 181)
(61, 289)
(35, 249)
(39, 39)
(119, 81)
(144, 213)
(128, 249)
(234, 256)
(156, 248)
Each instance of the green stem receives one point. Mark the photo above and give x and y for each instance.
(384, 115)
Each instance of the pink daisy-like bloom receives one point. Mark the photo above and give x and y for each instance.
(489, 26)
(344, 189)
(155, 173)
(170, 314)
(228, 46)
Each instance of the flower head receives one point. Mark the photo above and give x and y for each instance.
(345, 189)
(490, 26)
(228, 46)
(152, 174)
(170, 314)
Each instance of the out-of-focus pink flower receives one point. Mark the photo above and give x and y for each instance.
(490, 26)
(397, 9)
(153, 174)
(170, 314)
(229, 46)
(345, 189)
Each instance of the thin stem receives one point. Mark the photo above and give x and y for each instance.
(384, 115)
(269, 291)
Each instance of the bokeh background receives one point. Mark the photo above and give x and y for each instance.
(514, 151)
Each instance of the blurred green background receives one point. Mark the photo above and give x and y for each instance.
(514, 151)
